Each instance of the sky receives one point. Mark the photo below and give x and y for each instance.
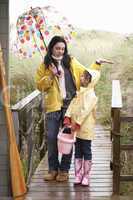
(107, 15)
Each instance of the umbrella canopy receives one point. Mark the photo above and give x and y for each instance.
(36, 27)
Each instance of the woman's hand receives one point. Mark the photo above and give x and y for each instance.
(54, 70)
(103, 61)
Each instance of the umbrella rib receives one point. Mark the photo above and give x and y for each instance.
(37, 45)
(39, 29)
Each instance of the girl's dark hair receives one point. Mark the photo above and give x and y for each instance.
(66, 57)
(87, 75)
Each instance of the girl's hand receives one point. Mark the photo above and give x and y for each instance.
(75, 127)
(103, 61)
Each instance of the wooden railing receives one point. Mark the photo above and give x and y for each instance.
(28, 117)
(117, 147)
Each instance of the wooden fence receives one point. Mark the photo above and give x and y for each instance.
(28, 117)
(117, 147)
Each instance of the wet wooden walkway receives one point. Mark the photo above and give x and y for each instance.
(101, 176)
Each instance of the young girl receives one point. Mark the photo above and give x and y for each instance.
(80, 116)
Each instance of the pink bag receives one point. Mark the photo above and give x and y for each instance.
(65, 142)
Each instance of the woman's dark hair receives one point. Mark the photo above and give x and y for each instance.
(87, 75)
(66, 57)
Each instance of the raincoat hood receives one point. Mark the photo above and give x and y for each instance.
(95, 77)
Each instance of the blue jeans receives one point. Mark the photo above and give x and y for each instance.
(83, 149)
(53, 123)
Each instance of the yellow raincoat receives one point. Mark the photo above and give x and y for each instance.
(82, 109)
(48, 83)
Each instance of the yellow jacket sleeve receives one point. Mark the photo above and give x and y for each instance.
(78, 68)
(95, 66)
(81, 68)
(43, 78)
(87, 106)
(95, 77)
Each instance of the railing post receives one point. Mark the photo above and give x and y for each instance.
(115, 134)
(116, 149)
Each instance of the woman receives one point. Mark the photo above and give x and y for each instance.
(59, 77)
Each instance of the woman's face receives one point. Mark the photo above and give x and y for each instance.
(58, 49)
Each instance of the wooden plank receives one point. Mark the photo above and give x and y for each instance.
(101, 142)
(126, 147)
(4, 41)
(93, 176)
(3, 26)
(126, 119)
(67, 196)
(3, 191)
(4, 180)
(102, 153)
(108, 150)
(4, 168)
(37, 181)
(72, 172)
(4, 147)
(4, 159)
(5, 54)
(5, 2)
(94, 168)
(100, 177)
(97, 130)
(21, 104)
(2, 118)
(101, 162)
(66, 188)
(3, 10)
(3, 134)
(79, 196)
(126, 178)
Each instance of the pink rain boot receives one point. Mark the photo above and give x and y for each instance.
(86, 168)
(78, 171)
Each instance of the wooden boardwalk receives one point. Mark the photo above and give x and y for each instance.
(101, 176)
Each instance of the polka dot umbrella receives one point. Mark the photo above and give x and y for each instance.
(37, 26)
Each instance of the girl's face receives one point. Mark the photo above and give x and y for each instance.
(58, 49)
(83, 81)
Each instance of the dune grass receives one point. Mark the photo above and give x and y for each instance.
(21, 76)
